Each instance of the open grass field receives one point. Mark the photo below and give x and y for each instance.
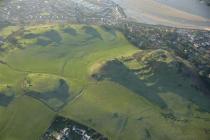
(94, 76)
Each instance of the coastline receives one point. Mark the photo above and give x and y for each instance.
(145, 11)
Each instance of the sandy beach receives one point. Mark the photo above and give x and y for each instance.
(154, 12)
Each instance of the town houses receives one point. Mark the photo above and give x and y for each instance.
(70, 130)
(80, 11)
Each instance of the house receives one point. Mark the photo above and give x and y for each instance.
(58, 137)
(79, 131)
(86, 137)
(62, 135)
(82, 133)
(65, 132)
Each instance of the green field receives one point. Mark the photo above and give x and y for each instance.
(94, 76)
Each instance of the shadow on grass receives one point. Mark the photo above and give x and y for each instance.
(180, 80)
(92, 32)
(5, 100)
(109, 30)
(61, 94)
(53, 35)
(70, 31)
(164, 78)
(4, 24)
(43, 42)
(116, 71)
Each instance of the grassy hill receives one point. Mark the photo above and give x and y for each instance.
(94, 76)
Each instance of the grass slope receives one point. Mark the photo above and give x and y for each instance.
(136, 96)
(107, 83)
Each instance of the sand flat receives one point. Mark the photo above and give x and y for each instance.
(153, 12)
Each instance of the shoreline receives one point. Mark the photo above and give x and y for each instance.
(166, 15)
